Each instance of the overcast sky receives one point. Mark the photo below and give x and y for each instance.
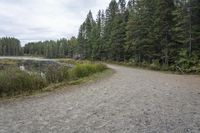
(34, 20)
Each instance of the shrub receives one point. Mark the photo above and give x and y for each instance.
(14, 81)
(155, 65)
(83, 70)
(55, 75)
(188, 63)
(100, 67)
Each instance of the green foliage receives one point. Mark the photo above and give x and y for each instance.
(146, 31)
(80, 70)
(88, 35)
(143, 30)
(83, 70)
(56, 75)
(14, 81)
(188, 63)
(10, 46)
(155, 65)
(52, 49)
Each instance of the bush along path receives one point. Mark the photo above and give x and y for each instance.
(131, 100)
(14, 82)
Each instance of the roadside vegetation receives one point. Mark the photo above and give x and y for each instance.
(185, 64)
(184, 69)
(158, 34)
(14, 81)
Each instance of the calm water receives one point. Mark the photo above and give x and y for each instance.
(33, 64)
(26, 58)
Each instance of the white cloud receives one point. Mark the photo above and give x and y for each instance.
(31, 20)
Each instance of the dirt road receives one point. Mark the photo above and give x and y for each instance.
(131, 100)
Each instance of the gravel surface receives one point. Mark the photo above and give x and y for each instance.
(131, 100)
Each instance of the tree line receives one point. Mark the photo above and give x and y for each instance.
(52, 49)
(10, 46)
(162, 31)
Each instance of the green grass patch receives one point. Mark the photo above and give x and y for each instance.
(93, 77)
(84, 70)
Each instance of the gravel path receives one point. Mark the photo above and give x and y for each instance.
(131, 100)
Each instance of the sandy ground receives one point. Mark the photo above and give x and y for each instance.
(131, 100)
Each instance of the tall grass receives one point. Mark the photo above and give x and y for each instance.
(56, 74)
(15, 82)
(84, 70)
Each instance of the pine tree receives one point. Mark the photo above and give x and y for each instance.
(130, 34)
(140, 38)
(82, 41)
(96, 37)
(181, 28)
(85, 36)
(103, 46)
(111, 14)
(122, 6)
(90, 24)
(194, 11)
(10, 46)
(164, 23)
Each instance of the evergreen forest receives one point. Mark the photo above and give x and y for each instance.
(161, 33)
